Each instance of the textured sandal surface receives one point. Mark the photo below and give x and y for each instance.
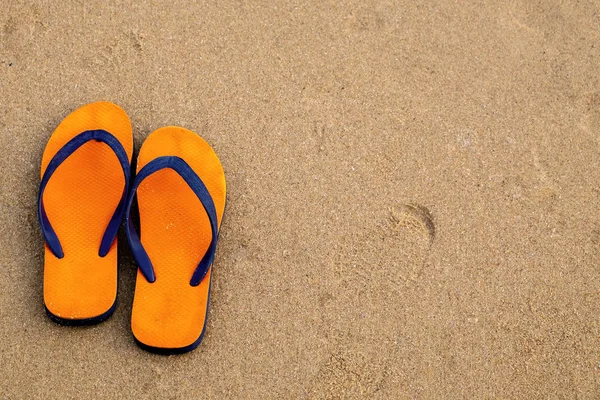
(79, 200)
(169, 314)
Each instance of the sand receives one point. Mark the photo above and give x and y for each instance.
(413, 195)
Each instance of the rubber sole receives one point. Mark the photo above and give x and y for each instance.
(81, 322)
(180, 350)
(169, 314)
(80, 199)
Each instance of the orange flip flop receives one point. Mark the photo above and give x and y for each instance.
(180, 188)
(82, 197)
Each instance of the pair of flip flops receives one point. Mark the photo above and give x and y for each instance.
(85, 193)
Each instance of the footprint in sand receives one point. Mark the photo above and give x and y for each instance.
(590, 120)
(370, 311)
(413, 217)
(408, 236)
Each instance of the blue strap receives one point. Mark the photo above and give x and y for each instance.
(195, 183)
(68, 149)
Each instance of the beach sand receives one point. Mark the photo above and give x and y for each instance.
(413, 195)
